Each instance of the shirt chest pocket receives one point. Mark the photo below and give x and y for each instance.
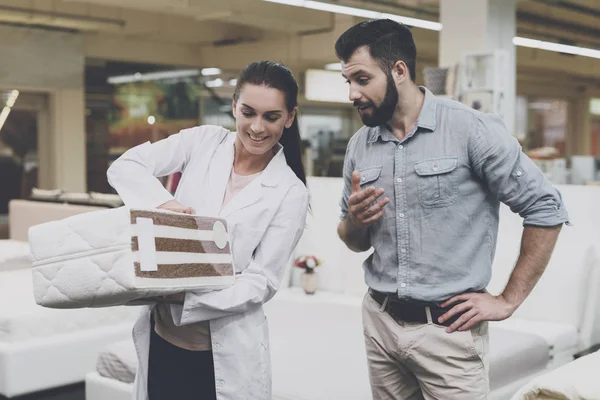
(436, 181)
(369, 176)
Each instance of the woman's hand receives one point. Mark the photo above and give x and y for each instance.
(173, 205)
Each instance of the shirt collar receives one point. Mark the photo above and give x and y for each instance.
(427, 118)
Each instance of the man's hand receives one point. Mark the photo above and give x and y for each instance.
(173, 205)
(476, 307)
(363, 207)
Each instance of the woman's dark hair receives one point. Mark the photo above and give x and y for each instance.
(278, 76)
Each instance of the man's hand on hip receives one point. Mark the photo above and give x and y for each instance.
(475, 308)
(364, 207)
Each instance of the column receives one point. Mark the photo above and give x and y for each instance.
(481, 26)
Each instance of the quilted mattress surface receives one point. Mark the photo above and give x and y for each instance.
(21, 319)
(121, 256)
(118, 361)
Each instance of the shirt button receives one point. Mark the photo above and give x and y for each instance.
(400, 147)
(220, 383)
(402, 250)
(401, 215)
(217, 346)
(519, 173)
(435, 168)
(399, 180)
(403, 284)
(363, 179)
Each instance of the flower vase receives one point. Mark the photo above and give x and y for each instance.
(309, 281)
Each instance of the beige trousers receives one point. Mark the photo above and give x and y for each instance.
(410, 361)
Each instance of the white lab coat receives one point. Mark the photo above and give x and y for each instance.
(266, 221)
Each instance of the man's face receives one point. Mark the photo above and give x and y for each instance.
(372, 91)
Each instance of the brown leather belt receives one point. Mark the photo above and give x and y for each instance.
(411, 312)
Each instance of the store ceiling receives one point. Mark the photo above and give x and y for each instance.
(230, 33)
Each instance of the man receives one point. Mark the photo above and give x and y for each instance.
(423, 182)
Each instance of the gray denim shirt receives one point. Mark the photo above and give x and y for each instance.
(445, 181)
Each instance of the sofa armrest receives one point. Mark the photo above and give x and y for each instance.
(589, 350)
(590, 327)
(23, 214)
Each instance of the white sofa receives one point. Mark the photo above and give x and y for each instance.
(317, 346)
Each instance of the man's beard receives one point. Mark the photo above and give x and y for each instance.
(384, 112)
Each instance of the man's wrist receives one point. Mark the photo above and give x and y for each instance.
(511, 303)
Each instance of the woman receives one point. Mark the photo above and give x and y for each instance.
(215, 345)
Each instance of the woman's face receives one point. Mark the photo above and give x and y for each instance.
(261, 115)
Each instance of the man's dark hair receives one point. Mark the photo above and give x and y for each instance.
(388, 41)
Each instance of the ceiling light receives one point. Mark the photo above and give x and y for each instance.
(10, 101)
(431, 25)
(557, 47)
(210, 71)
(334, 66)
(360, 12)
(151, 119)
(153, 76)
(215, 83)
(12, 97)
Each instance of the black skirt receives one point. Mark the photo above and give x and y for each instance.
(179, 374)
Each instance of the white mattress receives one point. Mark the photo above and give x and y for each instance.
(21, 319)
(118, 361)
(14, 254)
(575, 380)
(117, 256)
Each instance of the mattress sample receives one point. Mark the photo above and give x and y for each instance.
(14, 254)
(124, 256)
(118, 361)
(575, 380)
(22, 320)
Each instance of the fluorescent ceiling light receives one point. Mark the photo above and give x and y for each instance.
(232, 82)
(557, 47)
(360, 12)
(431, 25)
(334, 66)
(12, 97)
(215, 83)
(153, 76)
(595, 106)
(210, 71)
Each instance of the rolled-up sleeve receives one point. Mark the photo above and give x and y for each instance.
(496, 157)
